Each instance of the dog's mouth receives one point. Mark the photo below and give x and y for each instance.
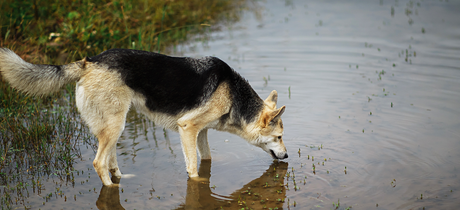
(273, 154)
(276, 157)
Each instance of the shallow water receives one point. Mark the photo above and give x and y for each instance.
(386, 129)
(341, 71)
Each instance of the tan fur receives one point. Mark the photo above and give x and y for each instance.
(103, 100)
(270, 127)
(36, 79)
(191, 123)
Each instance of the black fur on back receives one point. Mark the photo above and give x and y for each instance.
(175, 84)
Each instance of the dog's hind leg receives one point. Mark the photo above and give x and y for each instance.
(113, 166)
(203, 145)
(103, 101)
(106, 155)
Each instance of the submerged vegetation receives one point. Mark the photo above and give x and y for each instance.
(39, 137)
(42, 136)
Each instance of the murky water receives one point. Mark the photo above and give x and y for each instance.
(372, 90)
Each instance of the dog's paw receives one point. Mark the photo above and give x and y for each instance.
(115, 180)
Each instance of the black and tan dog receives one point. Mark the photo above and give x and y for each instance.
(183, 94)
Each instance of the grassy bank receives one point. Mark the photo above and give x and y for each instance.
(58, 31)
(42, 136)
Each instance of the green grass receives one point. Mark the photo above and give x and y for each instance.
(58, 29)
(39, 137)
(42, 136)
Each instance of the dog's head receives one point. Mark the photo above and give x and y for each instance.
(270, 125)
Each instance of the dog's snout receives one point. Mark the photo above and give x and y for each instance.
(278, 157)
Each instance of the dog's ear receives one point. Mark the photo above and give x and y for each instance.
(277, 114)
(272, 99)
(272, 116)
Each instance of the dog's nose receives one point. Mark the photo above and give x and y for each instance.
(285, 156)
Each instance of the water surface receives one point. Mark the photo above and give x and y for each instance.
(373, 101)
(379, 92)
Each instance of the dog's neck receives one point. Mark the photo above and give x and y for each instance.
(246, 109)
(238, 126)
(250, 133)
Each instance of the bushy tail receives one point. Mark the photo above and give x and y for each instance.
(37, 79)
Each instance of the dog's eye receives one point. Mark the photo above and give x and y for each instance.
(279, 137)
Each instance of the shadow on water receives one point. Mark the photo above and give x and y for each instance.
(267, 191)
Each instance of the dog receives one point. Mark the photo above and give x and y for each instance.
(186, 95)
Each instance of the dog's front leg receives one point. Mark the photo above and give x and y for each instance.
(203, 145)
(188, 135)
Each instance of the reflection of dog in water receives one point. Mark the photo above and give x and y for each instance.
(109, 198)
(266, 191)
(183, 94)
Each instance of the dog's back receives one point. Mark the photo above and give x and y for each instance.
(175, 84)
(170, 84)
